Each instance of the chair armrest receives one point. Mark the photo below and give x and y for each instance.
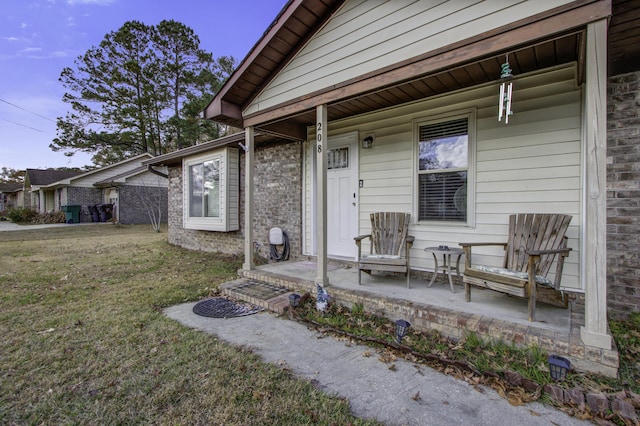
(408, 243)
(358, 241)
(481, 244)
(563, 251)
(467, 250)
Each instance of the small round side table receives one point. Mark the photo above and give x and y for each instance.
(446, 253)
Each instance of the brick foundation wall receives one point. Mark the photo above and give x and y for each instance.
(225, 242)
(623, 194)
(135, 200)
(277, 202)
(84, 197)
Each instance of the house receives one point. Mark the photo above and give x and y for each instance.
(9, 196)
(36, 198)
(338, 97)
(128, 188)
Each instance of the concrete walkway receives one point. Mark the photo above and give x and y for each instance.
(409, 394)
(6, 225)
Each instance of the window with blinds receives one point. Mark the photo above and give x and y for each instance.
(442, 170)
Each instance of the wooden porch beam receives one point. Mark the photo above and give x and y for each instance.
(220, 107)
(594, 332)
(286, 130)
(465, 51)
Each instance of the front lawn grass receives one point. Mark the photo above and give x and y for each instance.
(84, 340)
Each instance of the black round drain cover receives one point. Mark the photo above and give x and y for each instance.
(220, 307)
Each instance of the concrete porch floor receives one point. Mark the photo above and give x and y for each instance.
(489, 314)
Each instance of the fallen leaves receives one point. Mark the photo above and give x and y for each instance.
(387, 356)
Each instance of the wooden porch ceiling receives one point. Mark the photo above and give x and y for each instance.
(624, 37)
(560, 50)
(299, 20)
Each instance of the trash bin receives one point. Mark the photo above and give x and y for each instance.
(105, 211)
(72, 213)
(95, 215)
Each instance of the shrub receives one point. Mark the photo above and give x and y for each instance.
(22, 215)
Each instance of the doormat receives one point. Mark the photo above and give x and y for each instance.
(259, 290)
(220, 307)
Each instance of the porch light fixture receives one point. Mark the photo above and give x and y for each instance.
(506, 86)
(558, 367)
(401, 329)
(367, 142)
(294, 299)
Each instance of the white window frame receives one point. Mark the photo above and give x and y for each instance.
(228, 192)
(470, 114)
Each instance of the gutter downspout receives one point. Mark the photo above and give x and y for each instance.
(156, 172)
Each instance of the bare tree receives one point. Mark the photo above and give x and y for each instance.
(152, 198)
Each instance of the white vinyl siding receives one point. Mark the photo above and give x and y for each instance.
(226, 218)
(148, 179)
(532, 164)
(108, 172)
(365, 36)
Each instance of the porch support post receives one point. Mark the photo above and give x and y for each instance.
(321, 195)
(594, 332)
(249, 263)
(41, 201)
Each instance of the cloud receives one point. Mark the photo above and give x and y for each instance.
(32, 49)
(11, 38)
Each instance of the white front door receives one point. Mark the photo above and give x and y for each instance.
(342, 195)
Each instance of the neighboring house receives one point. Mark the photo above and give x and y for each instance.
(9, 195)
(127, 187)
(351, 107)
(35, 196)
(134, 193)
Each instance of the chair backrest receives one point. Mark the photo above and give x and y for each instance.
(389, 232)
(535, 232)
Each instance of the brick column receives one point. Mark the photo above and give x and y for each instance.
(623, 194)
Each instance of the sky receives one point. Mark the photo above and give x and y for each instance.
(39, 38)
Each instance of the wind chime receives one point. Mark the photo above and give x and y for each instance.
(504, 107)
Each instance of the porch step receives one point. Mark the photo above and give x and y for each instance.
(268, 296)
(425, 316)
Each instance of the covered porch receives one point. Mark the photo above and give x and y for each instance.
(490, 314)
(550, 158)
